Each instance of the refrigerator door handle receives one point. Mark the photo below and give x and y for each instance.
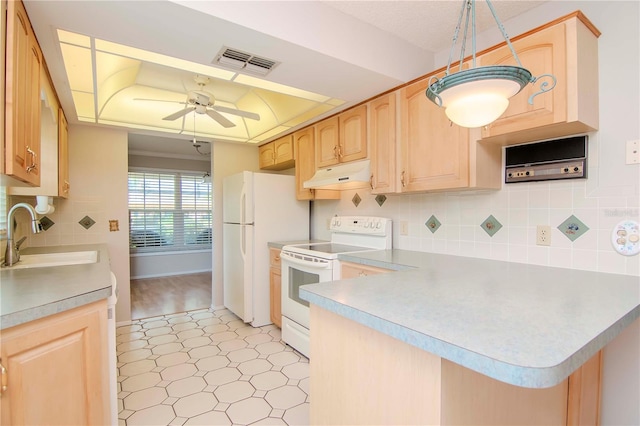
(243, 205)
(243, 242)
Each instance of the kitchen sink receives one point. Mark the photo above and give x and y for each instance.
(55, 259)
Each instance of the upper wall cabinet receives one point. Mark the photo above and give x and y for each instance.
(63, 155)
(568, 49)
(54, 160)
(277, 155)
(342, 138)
(22, 97)
(438, 156)
(382, 143)
(304, 149)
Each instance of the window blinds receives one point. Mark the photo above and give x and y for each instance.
(169, 211)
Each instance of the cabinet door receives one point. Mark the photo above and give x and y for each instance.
(22, 97)
(435, 152)
(266, 156)
(541, 53)
(355, 270)
(63, 155)
(56, 369)
(305, 164)
(275, 282)
(327, 142)
(353, 134)
(283, 151)
(382, 136)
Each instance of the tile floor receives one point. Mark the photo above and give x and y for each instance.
(209, 368)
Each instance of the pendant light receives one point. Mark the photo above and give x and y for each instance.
(478, 96)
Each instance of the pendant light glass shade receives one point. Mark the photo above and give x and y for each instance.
(478, 96)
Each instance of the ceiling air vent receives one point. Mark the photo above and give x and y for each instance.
(239, 60)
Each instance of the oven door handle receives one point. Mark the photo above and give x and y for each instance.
(321, 264)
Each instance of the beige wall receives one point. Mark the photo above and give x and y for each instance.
(98, 177)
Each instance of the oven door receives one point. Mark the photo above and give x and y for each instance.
(299, 270)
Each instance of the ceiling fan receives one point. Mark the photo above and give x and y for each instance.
(203, 102)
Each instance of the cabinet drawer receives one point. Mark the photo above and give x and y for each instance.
(355, 270)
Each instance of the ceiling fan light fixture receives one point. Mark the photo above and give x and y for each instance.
(478, 96)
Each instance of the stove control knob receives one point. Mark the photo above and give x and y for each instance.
(378, 225)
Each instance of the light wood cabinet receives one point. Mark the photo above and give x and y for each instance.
(275, 284)
(277, 155)
(355, 270)
(304, 149)
(413, 386)
(382, 143)
(63, 155)
(57, 369)
(567, 49)
(342, 138)
(436, 155)
(22, 97)
(54, 162)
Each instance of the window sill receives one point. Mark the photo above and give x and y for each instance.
(172, 253)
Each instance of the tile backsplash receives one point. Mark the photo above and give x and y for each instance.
(518, 208)
(67, 222)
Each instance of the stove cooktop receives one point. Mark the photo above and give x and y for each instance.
(325, 250)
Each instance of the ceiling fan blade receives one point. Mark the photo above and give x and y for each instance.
(224, 122)
(179, 114)
(241, 113)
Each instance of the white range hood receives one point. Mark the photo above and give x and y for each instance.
(356, 174)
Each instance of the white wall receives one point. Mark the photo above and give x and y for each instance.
(609, 195)
(148, 265)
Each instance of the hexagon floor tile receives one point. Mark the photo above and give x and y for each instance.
(205, 367)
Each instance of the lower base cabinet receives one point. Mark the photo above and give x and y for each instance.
(275, 283)
(57, 369)
(360, 376)
(355, 270)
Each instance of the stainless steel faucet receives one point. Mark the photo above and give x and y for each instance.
(12, 253)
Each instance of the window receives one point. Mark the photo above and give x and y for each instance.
(168, 211)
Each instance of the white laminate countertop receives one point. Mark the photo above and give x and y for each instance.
(522, 324)
(33, 293)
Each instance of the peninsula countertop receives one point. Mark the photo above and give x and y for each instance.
(33, 293)
(525, 325)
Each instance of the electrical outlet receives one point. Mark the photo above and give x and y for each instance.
(329, 223)
(404, 227)
(633, 152)
(543, 235)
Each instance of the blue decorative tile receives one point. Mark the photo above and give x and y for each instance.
(46, 223)
(491, 225)
(573, 228)
(433, 224)
(86, 222)
(356, 200)
(380, 199)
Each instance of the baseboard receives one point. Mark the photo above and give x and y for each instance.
(216, 308)
(198, 271)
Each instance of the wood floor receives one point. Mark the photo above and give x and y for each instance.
(152, 297)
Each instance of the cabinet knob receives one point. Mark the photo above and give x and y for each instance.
(371, 181)
(402, 179)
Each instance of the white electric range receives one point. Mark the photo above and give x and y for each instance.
(318, 262)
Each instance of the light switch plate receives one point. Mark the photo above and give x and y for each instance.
(633, 152)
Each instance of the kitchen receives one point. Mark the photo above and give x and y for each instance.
(97, 155)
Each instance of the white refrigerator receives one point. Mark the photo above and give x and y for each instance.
(257, 208)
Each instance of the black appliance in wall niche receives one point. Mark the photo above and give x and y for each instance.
(550, 160)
